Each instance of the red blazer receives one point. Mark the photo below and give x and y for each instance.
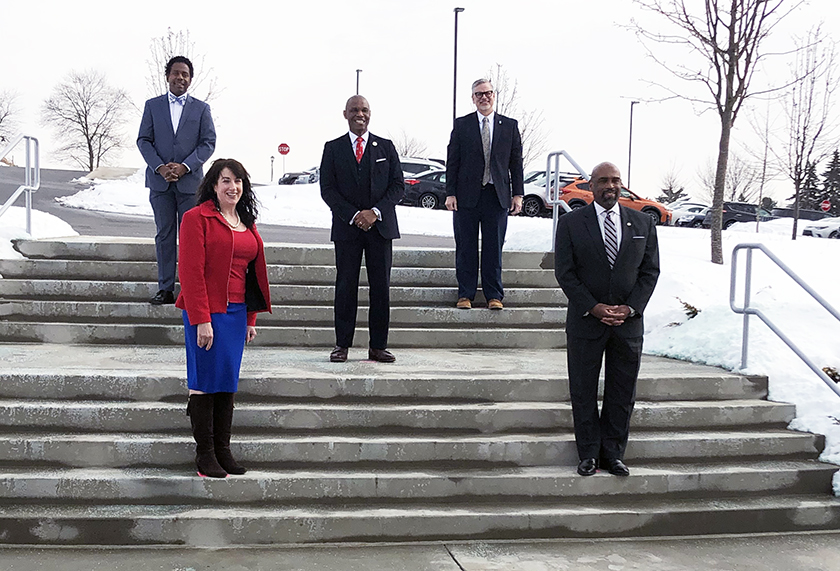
(205, 254)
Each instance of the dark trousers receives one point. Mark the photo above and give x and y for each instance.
(605, 435)
(348, 263)
(169, 207)
(491, 218)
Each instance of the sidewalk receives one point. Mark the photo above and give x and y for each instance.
(794, 552)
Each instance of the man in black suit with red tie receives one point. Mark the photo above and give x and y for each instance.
(361, 182)
(484, 182)
(606, 259)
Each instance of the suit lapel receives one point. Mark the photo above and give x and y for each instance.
(595, 232)
(626, 232)
(348, 157)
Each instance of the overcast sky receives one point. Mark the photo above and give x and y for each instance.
(286, 69)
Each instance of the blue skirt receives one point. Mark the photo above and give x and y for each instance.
(217, 370)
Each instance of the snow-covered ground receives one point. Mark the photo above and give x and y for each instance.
(713, 337)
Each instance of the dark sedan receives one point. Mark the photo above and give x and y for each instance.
(426, 191)
(738, 212)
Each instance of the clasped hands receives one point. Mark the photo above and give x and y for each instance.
(171, 172)
(364, 219)
(612, 315)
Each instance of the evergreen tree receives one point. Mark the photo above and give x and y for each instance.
(810, 194)
(831, 183)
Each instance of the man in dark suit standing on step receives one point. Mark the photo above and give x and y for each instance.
(484, 182)
(607, 262)
(176, 138)
(361, 182)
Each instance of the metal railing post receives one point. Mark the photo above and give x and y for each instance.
(748, 310)
(553, 182)
(31, 175)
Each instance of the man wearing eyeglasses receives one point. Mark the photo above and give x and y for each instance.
(484, 183)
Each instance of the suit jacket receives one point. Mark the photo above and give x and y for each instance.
(192, 145)
(465, 161)
(340, 185)
(582, 269)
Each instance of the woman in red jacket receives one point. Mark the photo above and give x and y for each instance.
(224, 284)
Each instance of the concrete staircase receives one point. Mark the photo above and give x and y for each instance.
(82, 290)
(448, 443)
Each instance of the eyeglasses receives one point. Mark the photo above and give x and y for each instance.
(480, 94)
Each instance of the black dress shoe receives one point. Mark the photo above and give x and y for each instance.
(338, 355)
(163, 297)
(588, 467)
(381, 355)
(616, 467)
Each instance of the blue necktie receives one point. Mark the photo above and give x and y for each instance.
(182, 99)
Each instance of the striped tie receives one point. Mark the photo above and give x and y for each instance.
(610, 238)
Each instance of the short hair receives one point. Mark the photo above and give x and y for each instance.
(247, 205)
(179, 59)
(478, 82)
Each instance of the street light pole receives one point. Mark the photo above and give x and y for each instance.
(455, 66)
(630, 143)
(358, 71)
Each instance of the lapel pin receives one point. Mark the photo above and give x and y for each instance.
(373, 143)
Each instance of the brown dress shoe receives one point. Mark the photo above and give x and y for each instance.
(381, 355)
(338, 355)
(495, 304)
(463, 303)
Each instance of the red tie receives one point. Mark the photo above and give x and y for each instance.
(359, 149)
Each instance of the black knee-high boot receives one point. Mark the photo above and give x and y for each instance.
(222, 419)
(200, 411)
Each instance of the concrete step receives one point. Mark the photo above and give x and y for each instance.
(414, 418)
(286, 274)
(263, 487)
(256, 525)
(76, 290)
(282, 315)
(283, 374)
(143, 249)
(291, 336)
(272, 451)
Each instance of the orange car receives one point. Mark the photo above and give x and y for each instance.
(577, 194)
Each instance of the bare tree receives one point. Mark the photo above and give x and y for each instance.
(8, 113)
(726, 36)
(409, 146)
(165, 47)
(534, 137)
(742, 183)
(809, 111)
(87, 115)
(672, 189)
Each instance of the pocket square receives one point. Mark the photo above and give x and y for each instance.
(382, 159)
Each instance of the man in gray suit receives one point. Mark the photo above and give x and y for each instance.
(176, 138)
(606, 259)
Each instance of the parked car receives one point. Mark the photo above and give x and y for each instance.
(413, 167)
(825, 228)
(738, 212)
(690, 219)
(804, 213)
(535, 201)
(426, 191)
(577, 195)
(309, 176)
(683, 208)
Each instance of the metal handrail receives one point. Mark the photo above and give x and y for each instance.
(746, 310)
(552, 181)
(32, 175)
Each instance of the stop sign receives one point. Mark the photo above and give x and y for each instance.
(283, 149)
(825, 205)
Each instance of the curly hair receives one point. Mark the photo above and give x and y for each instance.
(178, 59)
(247, 205)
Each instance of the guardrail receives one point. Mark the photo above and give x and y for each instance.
(747, 310)
(32, 175)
